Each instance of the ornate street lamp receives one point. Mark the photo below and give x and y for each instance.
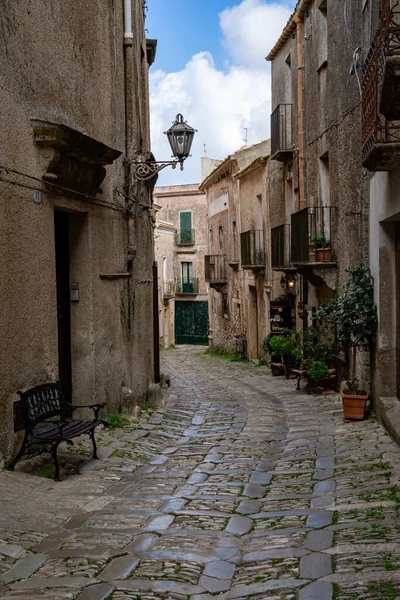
(180, 136)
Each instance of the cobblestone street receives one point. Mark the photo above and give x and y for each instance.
(240, 487)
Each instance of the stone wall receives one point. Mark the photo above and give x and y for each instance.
(63, 63)
(331, 113)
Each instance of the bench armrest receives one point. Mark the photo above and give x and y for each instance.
(95, 407)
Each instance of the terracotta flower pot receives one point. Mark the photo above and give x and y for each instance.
(277, 369)
(354, 405)
(323, 255)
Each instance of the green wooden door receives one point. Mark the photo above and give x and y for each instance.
(185, 227)
(191, 323)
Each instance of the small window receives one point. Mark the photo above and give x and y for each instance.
(322, 33)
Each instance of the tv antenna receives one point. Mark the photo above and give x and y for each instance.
(245, 137)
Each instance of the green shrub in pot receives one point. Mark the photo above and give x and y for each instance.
(318, 371)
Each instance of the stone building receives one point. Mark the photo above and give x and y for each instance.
(181, 263)
(381, 157)
(237, 265)
(318, 190)
(164, 245)
(76, 237)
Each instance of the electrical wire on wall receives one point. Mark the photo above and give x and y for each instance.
(56, 189)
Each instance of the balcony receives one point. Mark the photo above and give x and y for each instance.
(389, 71)
(311, 236)
(215, 269)
(280, 247)
(281, 133)
(381, 93)
(168, 290)
(185, 237)
(189, 286)
(252, 249)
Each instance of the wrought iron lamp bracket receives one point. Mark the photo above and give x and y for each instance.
(143, 170)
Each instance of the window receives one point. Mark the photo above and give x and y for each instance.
(221, 239)
(164, 268)
(288, 79)
(185, 227)
(187, 271)
(187, 277)
(234, 240)
(324, 183)
(322, 33)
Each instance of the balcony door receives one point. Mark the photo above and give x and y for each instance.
(185, 227)
(187, 277)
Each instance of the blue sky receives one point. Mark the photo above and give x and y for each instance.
(210, 67)
(198, 29)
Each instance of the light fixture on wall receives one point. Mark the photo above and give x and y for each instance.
(289, 283)
(180, 136)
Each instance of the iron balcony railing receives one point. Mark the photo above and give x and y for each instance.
(252, 249)
(311, 235)
(187, 286)
(185, 237)
(280, 246)
(281, 133)
(380, 92)
(215, 268)
(168, 289)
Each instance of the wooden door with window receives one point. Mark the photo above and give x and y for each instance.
(187, 278)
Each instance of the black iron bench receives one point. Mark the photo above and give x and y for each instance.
(300, 374)
(47, 419)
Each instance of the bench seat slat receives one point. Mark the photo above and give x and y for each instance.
(71, 428)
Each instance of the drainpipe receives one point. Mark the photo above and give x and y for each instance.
(128, 34)
(128, 76)
(300, 114)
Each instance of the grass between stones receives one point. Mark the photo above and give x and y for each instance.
(384, 591)
(223, 353)
(116, 421)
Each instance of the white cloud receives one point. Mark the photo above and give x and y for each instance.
(251, 29)
(218, 103)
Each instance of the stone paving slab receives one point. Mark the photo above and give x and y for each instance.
(240, 487)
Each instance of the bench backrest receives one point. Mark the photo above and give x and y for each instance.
(43, 402)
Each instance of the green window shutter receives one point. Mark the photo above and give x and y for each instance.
(186, 221)
(186, 228)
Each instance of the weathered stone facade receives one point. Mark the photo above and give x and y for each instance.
(76, 236)
(164, 244)
(315, 164)
(381, 156)
(180, 258)
(238, 242)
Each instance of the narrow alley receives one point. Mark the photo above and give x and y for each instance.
(240, 487)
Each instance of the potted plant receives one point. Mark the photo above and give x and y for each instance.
(354, 400)
(352, 316)
(277, 348)
(322, 248)
(318, 372)
(285, 352)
